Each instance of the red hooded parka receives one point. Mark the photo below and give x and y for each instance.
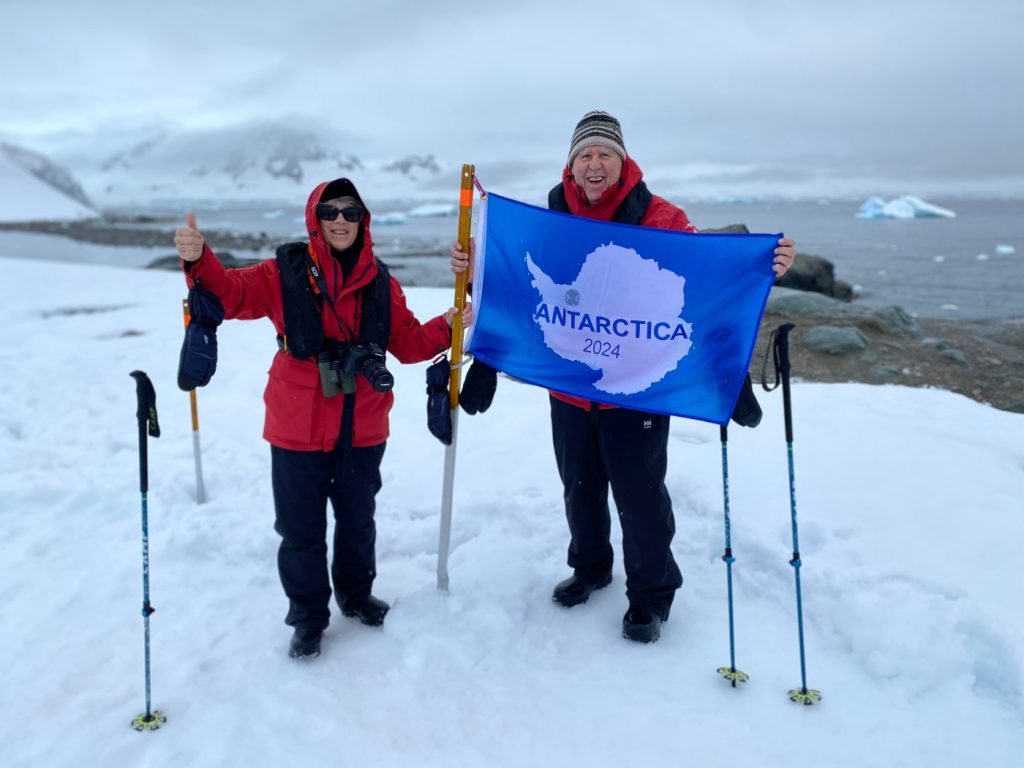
(298, 415)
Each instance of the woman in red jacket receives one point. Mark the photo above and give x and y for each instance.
(336, 311)
(600, 446)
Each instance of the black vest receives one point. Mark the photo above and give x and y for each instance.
(303, 325)
(630, 210)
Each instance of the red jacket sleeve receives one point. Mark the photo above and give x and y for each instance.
(247, 293)
(412, 341)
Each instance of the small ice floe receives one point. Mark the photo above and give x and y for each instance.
(939, 259)
(273, 214)
(1005, 250)
(432, 210)
(904, 207)
(391, 217)
(950, 307)
(982, 257)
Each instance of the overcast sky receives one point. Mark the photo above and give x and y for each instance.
(933, 87)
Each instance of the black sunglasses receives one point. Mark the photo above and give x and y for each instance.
(330, 213)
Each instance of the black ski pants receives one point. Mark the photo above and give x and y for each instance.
(303, 483)
(627, 450)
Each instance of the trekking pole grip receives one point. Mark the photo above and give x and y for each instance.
(782, 356)
(146, 414)
(782, 340)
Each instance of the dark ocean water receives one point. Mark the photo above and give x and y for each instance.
(947, 268)
(932, 267)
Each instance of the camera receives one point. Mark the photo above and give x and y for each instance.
(339, 366)
(368, 359)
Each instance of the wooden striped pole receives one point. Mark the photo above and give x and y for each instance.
(455, 380)
(190, 220)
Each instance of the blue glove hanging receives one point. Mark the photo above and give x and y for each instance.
(198, 360)
(439, 411)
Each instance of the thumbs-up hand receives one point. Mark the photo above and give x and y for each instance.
(189, 240)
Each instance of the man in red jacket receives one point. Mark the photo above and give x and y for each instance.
(598, 446)
(336, 310)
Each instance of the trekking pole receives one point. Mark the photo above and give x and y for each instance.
(196, 450)
(803, 694)
(149, 720)
(444, 539)
(730, 673)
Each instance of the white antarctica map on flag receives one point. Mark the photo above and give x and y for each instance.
(594, 320)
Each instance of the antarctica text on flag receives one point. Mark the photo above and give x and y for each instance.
(654, 320)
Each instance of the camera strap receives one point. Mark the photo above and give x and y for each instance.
(348, 417)
(319, 284)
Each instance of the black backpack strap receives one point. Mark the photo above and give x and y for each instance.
(632, 209)
(556, 200)
(303, 327)
(375, 322)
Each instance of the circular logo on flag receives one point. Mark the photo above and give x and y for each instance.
(572, 297)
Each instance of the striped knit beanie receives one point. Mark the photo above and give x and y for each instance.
(597, 128)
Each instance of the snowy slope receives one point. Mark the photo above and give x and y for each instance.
(909, 504)
(26, 197)
(46, 171)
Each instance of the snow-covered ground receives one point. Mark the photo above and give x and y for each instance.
(910, 525)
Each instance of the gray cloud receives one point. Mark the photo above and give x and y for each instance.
(929, 89)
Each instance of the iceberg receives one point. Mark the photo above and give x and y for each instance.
(391, 217)
(433, 210)
(904, 207)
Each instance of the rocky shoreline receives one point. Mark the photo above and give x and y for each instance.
(835, 338)
(137, 231)
(836, 341)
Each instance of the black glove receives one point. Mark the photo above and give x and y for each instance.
(747, 412)
(439, 410)
(198, 360)
(478, 391)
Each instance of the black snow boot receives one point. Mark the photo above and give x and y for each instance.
(574, 591)
(305, 643)
(641, 624)
(367, 608)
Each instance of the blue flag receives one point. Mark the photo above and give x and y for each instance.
(649, 319)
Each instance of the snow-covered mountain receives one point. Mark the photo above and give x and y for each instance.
(278, 160)
(46, 171)
(269, 161)
(32, 188)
